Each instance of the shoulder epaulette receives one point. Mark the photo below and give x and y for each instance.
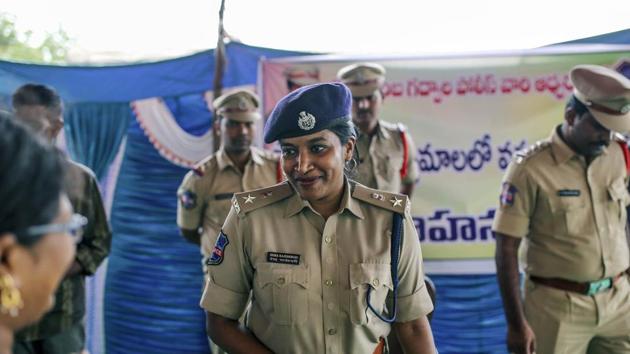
(269, 155)
(390, 126)
(251, 200)
(395, 202)
(619, 137)
(522, 155)
(200, 167)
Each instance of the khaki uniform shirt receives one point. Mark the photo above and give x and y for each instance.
(310, 276)
(211, 187)
(571, 214)
(381, 157)
(69, 308)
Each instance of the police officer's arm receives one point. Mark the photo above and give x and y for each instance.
(232, 337)
(520, 335)
(408, 184)
(230, 275)
(192, 236)
(415, 336)
(190, 208)
(407, 188)
(412, 327)
(511, 223)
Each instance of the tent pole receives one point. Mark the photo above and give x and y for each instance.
(219, 67)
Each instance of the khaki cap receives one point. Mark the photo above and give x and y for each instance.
(606, 94)
(302, 76)
(240, 105)
(362, 78)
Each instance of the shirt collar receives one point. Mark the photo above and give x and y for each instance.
(561, 151)
(379, 132)
(224, 161)
(296, 203)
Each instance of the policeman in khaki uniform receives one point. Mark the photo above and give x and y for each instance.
(566, 197)
(311, 249)
(386, 151)
(301, 76)
(206, 191)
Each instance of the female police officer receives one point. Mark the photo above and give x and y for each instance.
(330, 263)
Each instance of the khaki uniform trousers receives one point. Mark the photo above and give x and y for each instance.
(570, 323)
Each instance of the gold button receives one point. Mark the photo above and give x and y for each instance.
(328, 282)
(375, 282)
(328, 239)
(280, 281)
(332, 331)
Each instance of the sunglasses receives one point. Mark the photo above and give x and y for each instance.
(74, 228)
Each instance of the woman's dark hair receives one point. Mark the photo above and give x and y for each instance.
(345, 129)
(31, 179)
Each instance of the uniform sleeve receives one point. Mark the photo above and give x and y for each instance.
(413, 298)
(413, 171)
(189, 202)
(229, 271)
(97, 236)
(516, 202)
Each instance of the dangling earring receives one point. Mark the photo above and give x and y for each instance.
(351, 164)
(10, 296)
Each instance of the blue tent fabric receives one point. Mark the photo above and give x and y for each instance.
(94, 133)
(619, 37)
(154, 278)
(125, 83)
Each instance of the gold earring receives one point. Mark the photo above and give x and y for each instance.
(10, 296)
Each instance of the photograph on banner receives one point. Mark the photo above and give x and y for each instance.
(467, 115)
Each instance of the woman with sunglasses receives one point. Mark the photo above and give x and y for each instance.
(332, 265)
(36, 228)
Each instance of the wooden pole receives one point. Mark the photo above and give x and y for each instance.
(219, 67)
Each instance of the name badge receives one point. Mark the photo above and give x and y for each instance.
(569, 193)
(283, 258)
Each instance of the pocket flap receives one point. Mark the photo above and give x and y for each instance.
(370, 273)
(281, 275)
(567, 203)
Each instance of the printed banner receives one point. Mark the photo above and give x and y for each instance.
(467, 116)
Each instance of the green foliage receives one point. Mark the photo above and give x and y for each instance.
(21, 46)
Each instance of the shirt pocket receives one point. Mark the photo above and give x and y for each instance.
(364, 276)
(617, 201)
(389, 166)
(283, 292)
(571, 216)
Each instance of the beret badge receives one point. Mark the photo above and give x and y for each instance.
(306, 121)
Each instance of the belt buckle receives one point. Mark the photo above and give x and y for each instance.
(598, 286)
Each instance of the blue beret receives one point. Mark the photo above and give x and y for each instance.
(308, 110)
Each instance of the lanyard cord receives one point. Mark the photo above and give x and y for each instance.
(395, 254)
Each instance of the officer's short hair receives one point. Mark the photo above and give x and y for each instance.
(36, 95)
(344, 130)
